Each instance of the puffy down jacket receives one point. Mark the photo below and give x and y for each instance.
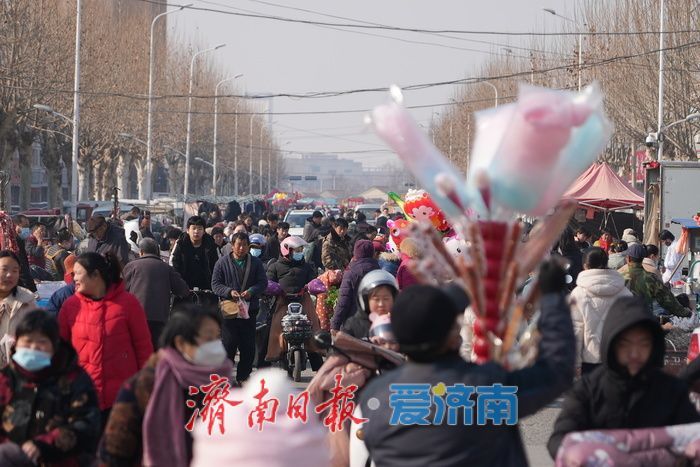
(110, 336)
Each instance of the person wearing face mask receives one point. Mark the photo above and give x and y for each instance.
(44, 378)
(106, 325)
(12, 237)
(292, 272)
(238, 277)
(257, 247)
(15, 301)
(147, 423)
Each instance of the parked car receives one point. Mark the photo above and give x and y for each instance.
(296, 218)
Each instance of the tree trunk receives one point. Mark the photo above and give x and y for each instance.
(51, 157)
(123, 169)
(84, 163)
(140, 165)
(174, 179)
(25, 169)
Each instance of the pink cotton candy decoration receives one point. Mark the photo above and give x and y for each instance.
(539, 129)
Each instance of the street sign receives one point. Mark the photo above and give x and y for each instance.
(311, 177)
(295, 178)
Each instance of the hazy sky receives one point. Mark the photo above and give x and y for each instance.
(279, 57)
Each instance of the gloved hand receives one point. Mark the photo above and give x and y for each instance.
(552, 277)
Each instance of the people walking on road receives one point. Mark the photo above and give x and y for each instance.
(64, 293)
(363, 261)
(106, 325)
(597, 289)
(15, 301)
(426, 323)
(147, 422)
(375, 295)
(648, 286)
(49, 405)
(272, 250)
(672, 259)
(36, 244)
(195, 255)
(630, 388)
(240, 277)
(618, 255)
(153, 282)
(335, 253)
(105, 237)
(56, 254)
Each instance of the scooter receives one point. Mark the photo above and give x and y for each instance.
(296, 330)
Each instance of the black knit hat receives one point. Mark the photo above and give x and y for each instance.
(422, 317)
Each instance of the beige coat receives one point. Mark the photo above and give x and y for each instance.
(12, 308)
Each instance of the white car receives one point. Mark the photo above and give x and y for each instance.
(296, 218)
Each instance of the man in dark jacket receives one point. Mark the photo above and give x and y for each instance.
(312, 228)
(104, 237)
(272, 249)
(363, 261)
(240, 276)
(425, 322)
(630, 389)
(195, 255)
(152, 281)
(335, 250)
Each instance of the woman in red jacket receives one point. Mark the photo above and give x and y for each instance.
(106, 325)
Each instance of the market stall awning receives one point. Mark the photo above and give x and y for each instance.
(600, 188)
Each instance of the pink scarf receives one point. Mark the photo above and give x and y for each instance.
(164, 422)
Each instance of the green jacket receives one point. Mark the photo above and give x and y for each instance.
(650, 288)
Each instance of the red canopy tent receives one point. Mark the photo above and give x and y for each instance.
(600, 188)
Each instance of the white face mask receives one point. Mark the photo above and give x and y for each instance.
(211, 354)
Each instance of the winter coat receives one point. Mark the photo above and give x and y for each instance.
(466, 444)
(291, 275)
(114, 241)
(152, 281)
(195, 265)
(362, 263)
(272, 249)
(55, 256)
(609, 398)
(390, 263)
(35, 253)
(650, 288)
(311, 231)
(617, 260)
(15, 306)
(335, 252)
(63, 418)
(228, 277)
(25, 274)
(110, 335)
(357, 325)
(647, 264)
(595, 293)
(60, 296)
(404, 276)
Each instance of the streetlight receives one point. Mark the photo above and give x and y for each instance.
(659, 154)
(216, 115)
(657, 139)
(580, 40)
(149, 124)
(495, 90)
(74, 161)
(189, 119)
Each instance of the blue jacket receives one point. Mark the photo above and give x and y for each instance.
(60, 296)
(226, 277)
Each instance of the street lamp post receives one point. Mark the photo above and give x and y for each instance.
(235, 150)
(495, 90)
(250, 157)
(149, 124)
(660, 152)
(76, 116)
(189, 120)
(260, 178)
(216, 115)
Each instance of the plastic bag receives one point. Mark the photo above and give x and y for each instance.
(273, 288)
(316, 287)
